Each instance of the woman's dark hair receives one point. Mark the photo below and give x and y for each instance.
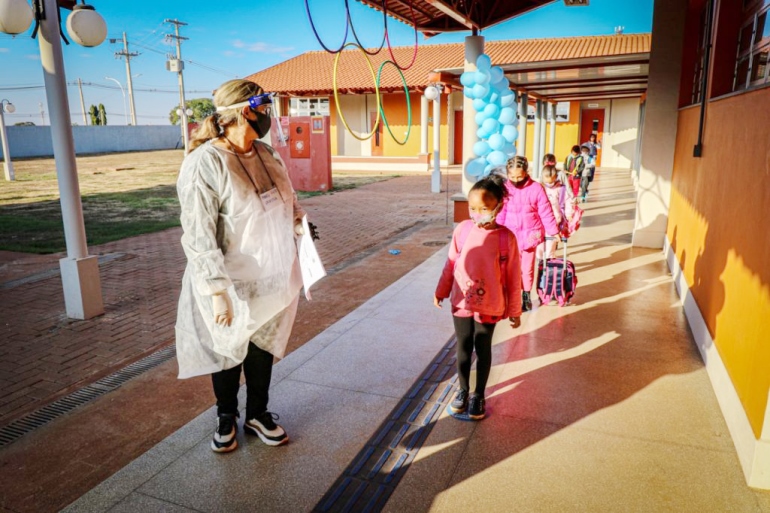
(549, 158)
(576, 149)
(594, 137)
(518, 161)
(493, 184)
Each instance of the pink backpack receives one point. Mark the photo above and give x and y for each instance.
(466, 228)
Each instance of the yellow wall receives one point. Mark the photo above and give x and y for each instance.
(567, 134)
(718, 228)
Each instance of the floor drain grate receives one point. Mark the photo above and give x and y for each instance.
(434, 243)
(66, 404)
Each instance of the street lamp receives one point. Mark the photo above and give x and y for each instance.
(79, 271)
(8, 107)
(433, 93)
(123, 92)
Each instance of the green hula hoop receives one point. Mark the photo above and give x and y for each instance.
(408, 104)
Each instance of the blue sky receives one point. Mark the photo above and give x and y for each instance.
(241, 38)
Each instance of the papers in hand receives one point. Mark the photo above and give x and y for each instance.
(309, 261)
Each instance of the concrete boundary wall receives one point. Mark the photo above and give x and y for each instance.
(35, 141)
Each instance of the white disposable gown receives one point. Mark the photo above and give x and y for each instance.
(234, 243)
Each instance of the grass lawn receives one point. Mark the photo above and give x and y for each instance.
(123, 195)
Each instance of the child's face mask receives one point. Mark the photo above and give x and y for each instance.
(482, 220)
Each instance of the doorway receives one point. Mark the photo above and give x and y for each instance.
(377, 139)
(458, 137)
(592, 122)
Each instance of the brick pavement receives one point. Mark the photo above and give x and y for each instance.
(44, 355)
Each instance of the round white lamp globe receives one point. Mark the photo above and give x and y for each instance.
(431, 93)
(85, 26)
(15, 16)
(9, 108)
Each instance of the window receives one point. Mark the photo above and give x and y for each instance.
(700, 57)
(309, 107)
(751, 67)
(562, 112)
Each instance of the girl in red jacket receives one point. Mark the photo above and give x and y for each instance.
(482, 279)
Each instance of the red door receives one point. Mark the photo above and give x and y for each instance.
(592, 123)
(458, 140)
(377, 139)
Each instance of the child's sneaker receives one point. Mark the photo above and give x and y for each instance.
(224, 437)
(526, 302)
(264, 426)
(460, 403)
(477, 407)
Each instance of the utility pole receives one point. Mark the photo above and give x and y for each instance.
(42, 112)
(128, 55)
(82, 103)
(179, 65)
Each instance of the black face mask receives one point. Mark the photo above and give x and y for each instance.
(520, 184)
(261, 125)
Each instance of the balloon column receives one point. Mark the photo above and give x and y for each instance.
(495, 106)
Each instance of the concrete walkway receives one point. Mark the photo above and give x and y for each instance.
(603, 405)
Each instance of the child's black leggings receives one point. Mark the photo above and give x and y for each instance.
(473, 335)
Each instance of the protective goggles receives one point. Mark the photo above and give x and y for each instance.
(253, 102)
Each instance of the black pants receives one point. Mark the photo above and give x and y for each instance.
(473, 335)
(258, 369)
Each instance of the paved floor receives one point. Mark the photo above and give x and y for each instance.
(603, 405)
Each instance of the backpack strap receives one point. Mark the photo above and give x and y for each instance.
(504, 261)
(465, 229)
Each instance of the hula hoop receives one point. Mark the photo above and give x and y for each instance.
(390, 49)
(384, 34)
(337, 94)
(408, 104)
(312, 25)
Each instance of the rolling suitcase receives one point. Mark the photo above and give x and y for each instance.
(556, 279)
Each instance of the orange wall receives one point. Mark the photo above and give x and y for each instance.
(718, 226)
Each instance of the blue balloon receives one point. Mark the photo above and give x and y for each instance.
(468, 79)
(510, 150)
(510, 133)
(507, 116)
(497, 158)
(488, 169)
(483, 62)
(481, 117)
(482, 133)
(496, 74)
(491, 110)
(481, 148)
(507, 98)
(496, 142)
(468, 92)
(480, 90)
(491, 126)
(482, 77)
(494, 97)
(476, 167)
(479, 104)
(502, 84)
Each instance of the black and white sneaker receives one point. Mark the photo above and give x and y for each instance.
(477, 407)
(526, 302)
(224, 437)
(264, 426)
(460, 403)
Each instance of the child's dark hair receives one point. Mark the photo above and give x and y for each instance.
(549, 171)
(585, 147)
(576, 149)
(519, 161)
(549, 159)
(493, 184)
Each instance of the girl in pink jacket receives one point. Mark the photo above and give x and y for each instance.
(528, 214)
(481, 279)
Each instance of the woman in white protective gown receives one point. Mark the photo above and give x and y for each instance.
(242, 281)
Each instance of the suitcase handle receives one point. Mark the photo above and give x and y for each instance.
(564, 260)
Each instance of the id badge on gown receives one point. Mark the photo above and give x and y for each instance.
(271, 199)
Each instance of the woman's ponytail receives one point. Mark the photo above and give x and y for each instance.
(206, 131)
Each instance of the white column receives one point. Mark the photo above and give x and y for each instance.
(521, 148)
(435, 177)
(660, 124)
(423, 124)
(552, 130)
(474, 46)
(79, 272)
(543, 123)
(536, 146)
(7, 163)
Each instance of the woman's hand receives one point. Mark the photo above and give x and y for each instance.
(223, 308)
(515, 322)
(437, 301)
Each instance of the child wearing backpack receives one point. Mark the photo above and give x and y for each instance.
(562, 203)
(573, 166)
(482, 280)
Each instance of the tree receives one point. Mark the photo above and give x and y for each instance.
(102, 114)
(93, 113)
(201, 108)
(24, 123)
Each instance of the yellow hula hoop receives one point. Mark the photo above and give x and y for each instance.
(337, 95)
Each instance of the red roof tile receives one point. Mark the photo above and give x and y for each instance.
(312, 72)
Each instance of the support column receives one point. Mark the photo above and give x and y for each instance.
(79, 272)
(435, 177)
(521, 148)
(552, 129)
(543, 133)
(474, 46)
(536, 145)
(423, 124)
(660, 124)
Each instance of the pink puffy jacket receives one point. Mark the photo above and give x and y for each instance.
(528, 214)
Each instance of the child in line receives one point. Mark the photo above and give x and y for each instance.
(550, 160)
(573, 166)
(562, 203)
(527, 213)
(481, 278)
(585, 175)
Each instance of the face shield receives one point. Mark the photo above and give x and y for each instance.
(267, 119)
